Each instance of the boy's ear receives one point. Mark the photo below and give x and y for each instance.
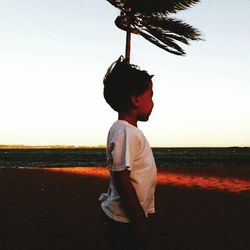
(135, 100)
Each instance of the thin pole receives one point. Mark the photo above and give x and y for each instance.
(128, 46)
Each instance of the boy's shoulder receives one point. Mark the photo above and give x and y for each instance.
(123, 127)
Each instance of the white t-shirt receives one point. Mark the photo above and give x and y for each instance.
(127, 148)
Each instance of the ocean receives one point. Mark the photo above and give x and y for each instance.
(164, 157)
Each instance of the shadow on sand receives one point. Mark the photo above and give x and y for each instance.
(45, 209)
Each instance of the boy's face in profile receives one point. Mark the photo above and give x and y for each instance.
(145, 104)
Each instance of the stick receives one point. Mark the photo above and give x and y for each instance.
(128, 46)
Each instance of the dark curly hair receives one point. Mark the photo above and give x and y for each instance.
(122, 81)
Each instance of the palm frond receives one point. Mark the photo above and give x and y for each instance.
(164, 38)
(166, 6)
(167, 45)
(120, 4)
(179, 38)
(171, 25)
(161, 38)
(160, 30)
(150, 19)
(150, 6)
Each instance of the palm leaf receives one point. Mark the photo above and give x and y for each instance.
(150, 19)
(172, 25)
(160, 30)
(150, 6)
(167, 44)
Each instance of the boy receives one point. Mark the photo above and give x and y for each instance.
(127, 206)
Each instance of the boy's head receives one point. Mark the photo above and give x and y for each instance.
(123, 81)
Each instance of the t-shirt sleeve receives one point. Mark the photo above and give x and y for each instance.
(122, 151)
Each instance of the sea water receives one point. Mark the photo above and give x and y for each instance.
(68, 157)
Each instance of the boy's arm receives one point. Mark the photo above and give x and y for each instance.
(131, 203)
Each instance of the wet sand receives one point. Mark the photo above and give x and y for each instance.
(197, 208)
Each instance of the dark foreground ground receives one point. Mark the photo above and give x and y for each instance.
(42, 209)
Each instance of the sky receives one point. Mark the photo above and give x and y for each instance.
(54, 54)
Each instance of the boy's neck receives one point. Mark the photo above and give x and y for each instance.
(128, 118)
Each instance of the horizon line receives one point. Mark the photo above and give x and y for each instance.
(58, 146)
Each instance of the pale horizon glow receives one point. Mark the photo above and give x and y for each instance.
(54, 55)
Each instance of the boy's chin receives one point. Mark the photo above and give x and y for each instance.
(144, 119)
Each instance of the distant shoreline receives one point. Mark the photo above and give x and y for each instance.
(21, 146)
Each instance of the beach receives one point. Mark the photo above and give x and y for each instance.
(58, 208)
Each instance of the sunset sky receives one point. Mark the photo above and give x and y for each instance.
(54, 54)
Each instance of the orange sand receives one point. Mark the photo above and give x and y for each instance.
(57, 208)
(165, 178)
